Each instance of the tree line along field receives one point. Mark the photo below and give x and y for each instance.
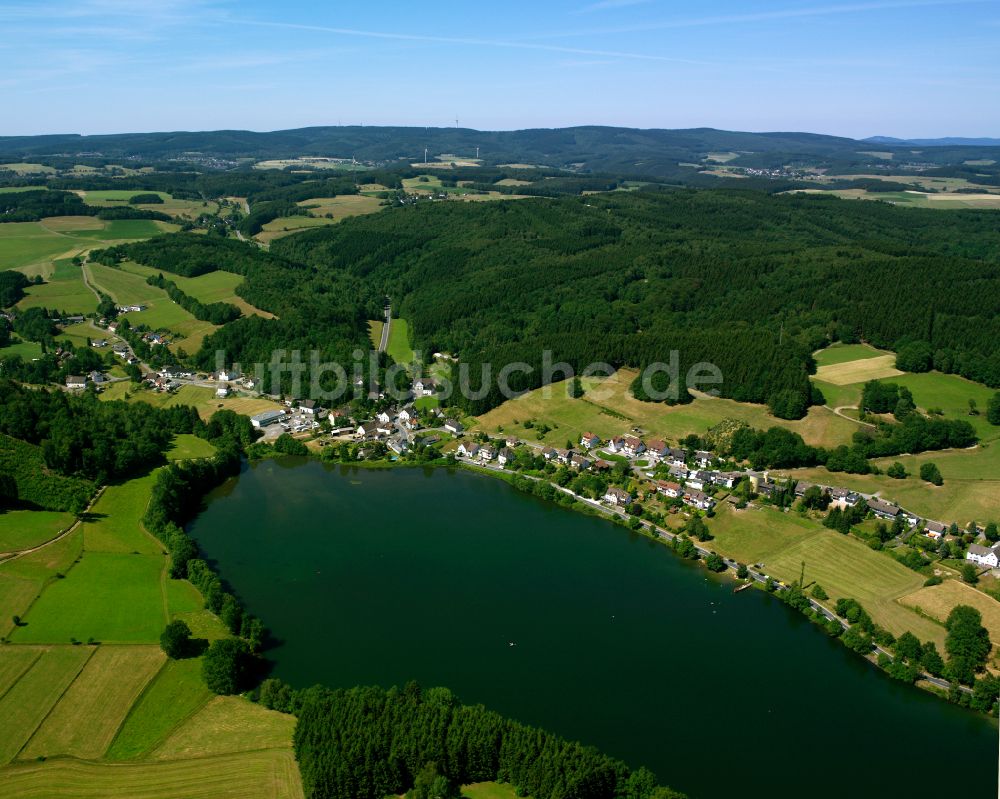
(107, 718)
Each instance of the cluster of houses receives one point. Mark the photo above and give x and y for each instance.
(121, 349)
(79, 382)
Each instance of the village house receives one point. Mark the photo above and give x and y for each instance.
(589, 441)
(505, 456)
(75, 381)
(632, 447)
(616, 444)
(563, 455)
(726, 479)
(423, 386)
(801, 487)
(97, 378)
(98, 343)
(367, 430)
(844, 499)
(222, 391)
(618, 497)
(703, 459)
(225, 375)
(656, 450)
(678, 472)
(548, 453)
(676, 456)
(468, 449)
(487, 453)
(512, 441)
(882, 509)
(453, 426)
(579, 462)
(698, 480)
(408, 419)
(309, 407)
(698, 499)
(984, 556)
(601, 465)
(384, 428)
(669, 489)
(398, 445)
(935, 530)
(767, 488)
(384, 416)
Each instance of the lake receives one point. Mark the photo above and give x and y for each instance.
(574, 624)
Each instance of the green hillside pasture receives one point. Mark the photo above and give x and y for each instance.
(22, 579)
(86, 718)
(23, 529)
(162, 313)
(608, 409)
(174, 695)
(951, 394)
(375, 332)
(215, 286)
(23, 244)
(398, 347)
(116, 525)
(29, 700)
(227, 724)
(488, 790)
(186, 446)
(270, 774)
(79, 333)
(841, 353)
(108, 596)
(844, 566)
(123, 287)
(858, 371)
(128, 230)
(26, 350)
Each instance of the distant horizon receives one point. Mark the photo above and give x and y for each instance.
(849, 68)
(151, 131)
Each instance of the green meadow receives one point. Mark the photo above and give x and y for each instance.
(23, 529)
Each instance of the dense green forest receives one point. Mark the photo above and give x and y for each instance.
(27, 482)
(750, 282)
(81, 436)
(368, 743)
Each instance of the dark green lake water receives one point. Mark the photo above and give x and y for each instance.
(386, 576)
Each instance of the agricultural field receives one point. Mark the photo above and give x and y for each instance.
(375, 332)
(22, 349)
(342, 207)
(844, 566)
(26, 704)
(46, 248)
(174, 695)
(221, 726)
(111, 597)
(859, 371)
(608, 409)
(937, 601)
(267, 774)
(842, 353)
(86, 717)
(75, 715)
(23, 529)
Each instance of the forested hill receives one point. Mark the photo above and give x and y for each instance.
(750, 282)
(629, 151)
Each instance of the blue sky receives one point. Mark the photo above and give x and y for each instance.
(896, 67)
